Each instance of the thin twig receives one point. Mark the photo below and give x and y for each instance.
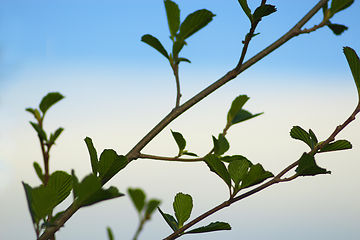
(172, 159)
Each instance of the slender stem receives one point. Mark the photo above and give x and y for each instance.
(178, 93)
(173, 159)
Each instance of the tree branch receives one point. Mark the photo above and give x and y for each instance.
(173, 159)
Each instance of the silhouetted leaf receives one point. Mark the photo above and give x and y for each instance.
(41, 133)
(338, 5)
(110, 234)
(173, 17)
(182, 207)
(54, 136)
(93, 155)
(229, 159)
(300, 134)
(50, 100)
(155, 43)
(138, 198)
(246, 9)
(308, 167)
(214, 226)
(336, 146)
(193, 23)
(244, 115)
(337, 29)
(263, 10)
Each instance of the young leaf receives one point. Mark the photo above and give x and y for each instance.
(180, 141)
(177, 46)
(236, 106)
(150, 207)
(61, 182)
(263, 10)
(256, 175)
(313, 139)
(189, 153)
(54, 136)
(244, 115)
(300, 134)
(337, 145)
(39, 172)
(170, 220)
(93, 155)
(110, 234)
(173, 17)
(110, 164)
(40, 131)
(308, 167)
(41, 201)
(138, 198)
(155, 43)
(102, 195)
(229, 159)
(338, 5)
(337, 29)
(194, 22)
(221, 145)
(214, 226)
(354, 64)
(218, 167)
(246, 9)
(183, 205)
(49, 100)
(238, 169)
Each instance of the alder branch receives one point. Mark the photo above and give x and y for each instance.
(135, 151)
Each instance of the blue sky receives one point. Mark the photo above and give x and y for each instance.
(117, 88)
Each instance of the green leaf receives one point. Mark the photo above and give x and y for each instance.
(218, 167)
(170, 220)
(236, 106)
(50, 100)
(238, 169)
(180, 141)
(338, 5)
(193, 23)
(61, 182)
(229, 159)
(39, 172)
(177, 46)
(336, 146)
(244, 115)
(110, 234)
(256, 175)
(313, 139)
(337, 29)
(93, 155)
(300, 134)
(221, 145)
(102, 195)
(183, 205)
(138, 198)
(35, 112)
(308, 167)
(263, 10)
(41, 133)
(41, 201)
(354, 64)
(89, 191)
(110, 164)
(189, 153)
(183, 60)
(54, 136)
(246, 9)
(155, 43)
(173, 17)
(214, 226)
(150, 207)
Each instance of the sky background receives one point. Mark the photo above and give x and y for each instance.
(117, 88)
